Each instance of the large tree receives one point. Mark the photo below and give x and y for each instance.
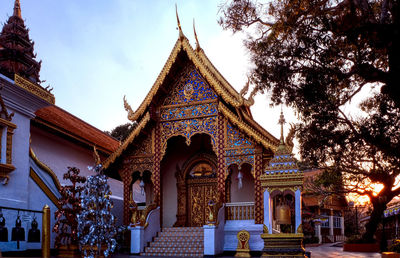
(121, 132)
(336, 62)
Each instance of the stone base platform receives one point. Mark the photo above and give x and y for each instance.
(283, 245)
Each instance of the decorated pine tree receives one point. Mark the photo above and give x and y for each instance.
(96, 224)
(66, 221)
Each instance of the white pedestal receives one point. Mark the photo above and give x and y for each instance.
(137, 239)
(209, 240)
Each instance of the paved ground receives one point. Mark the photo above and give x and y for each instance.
(323, 251)
(329, 251)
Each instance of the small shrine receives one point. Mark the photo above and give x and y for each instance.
(282, 183)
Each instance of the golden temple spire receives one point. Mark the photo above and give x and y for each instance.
(195, 36)
(282, 122)
(179, 23)
(17, 9)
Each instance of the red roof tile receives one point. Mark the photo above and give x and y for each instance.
(68, 124)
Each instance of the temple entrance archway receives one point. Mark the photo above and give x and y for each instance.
(188, 174)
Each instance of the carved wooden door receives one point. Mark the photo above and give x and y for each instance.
(200, 192)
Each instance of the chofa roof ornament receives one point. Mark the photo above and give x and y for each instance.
(179, 23)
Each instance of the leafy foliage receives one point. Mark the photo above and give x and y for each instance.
(66, 221)
(336, 63)
(121, 132)
(395, 247)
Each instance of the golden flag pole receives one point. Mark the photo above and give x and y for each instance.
(46, 232)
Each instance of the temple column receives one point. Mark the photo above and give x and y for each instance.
(331, 223)
(126, 179)
(297, 209)
(342, 225)
(155, 177)
(257, 188)
(318, 228)
(268, 210)
(318, 232)
(221, 158)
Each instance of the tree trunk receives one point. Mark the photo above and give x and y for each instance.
(375, 218)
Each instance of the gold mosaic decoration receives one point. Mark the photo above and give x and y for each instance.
(35, 89)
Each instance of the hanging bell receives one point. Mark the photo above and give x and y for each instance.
(18, 232)
(282, 212)
(3, 229)
(34, 232)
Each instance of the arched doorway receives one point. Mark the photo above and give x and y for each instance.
(185, 173)
(240, 192)
(200, 180)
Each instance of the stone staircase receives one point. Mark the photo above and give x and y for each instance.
(182, 242)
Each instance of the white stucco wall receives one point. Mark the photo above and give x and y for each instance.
(175, 156)
(169, 192)
(15, 193)
(246, 193)
(58, 154)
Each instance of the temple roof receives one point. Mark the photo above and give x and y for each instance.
(69, 125)
(232, 100)
(16, 49)
(206, 69)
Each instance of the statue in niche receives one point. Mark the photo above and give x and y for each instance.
(202, 170)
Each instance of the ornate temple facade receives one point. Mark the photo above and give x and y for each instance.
(197, 153)
(196, 170)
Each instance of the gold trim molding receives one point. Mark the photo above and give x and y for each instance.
(44, 188)
(267, 143)
(45, 168)
(35, 89)
(127, 141)
(206, 69)
(283, 235)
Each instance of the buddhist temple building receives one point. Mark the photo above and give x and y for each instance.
(196, 176)
(198, 165)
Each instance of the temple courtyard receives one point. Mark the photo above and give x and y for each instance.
(325, 250)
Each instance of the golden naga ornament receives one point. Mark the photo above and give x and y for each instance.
(128, 108)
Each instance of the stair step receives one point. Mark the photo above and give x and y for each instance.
(182, 242)
(198, 244)
(188, 229)
(173, 254)
(183, 234)
(174, 249)
(179, 238)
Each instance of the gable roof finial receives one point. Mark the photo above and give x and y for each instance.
(195, 36)
(179, 23)
(17, 9)
(282, 122)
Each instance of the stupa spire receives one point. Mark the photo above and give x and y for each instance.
(16, 49)
(17, 9)
(282, 121)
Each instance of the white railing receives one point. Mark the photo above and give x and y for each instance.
(340, 238)
(152, 226)
(240, 211)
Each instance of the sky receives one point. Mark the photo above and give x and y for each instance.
(94, 52)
